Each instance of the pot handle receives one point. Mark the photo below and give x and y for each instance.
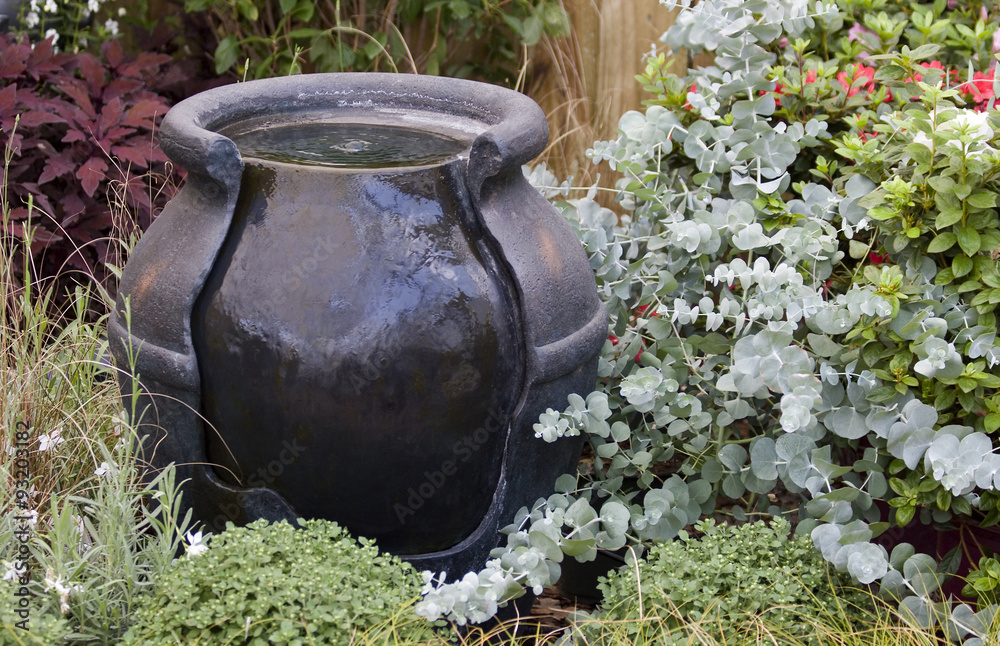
(210, 158)
(519, 137)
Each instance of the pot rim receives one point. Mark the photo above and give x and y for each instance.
(506, 129)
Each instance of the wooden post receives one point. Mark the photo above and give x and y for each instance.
(586, 81)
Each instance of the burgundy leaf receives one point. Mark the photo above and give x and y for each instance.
(145, 63)
(80, 98)
(72, 219)
(118, 133)
(8, 95)
(121, 87)
(41, 61)
(56, 166)
(75, 135)
(93, 73)
(69, 106)
(141, 114)
(111, 116)
(112, 52)
(73, 203)
(38, 235)
(13, 60)
(35, 119)
(92, 224)
(133, 155)
(91, 174)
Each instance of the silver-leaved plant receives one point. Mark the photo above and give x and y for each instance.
(802, 282)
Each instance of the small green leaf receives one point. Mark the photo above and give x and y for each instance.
(304, 10)
(945, 276)
(981, 199)
(961, 506)
(576, 547)
(942, 242)
(566, 483)
(226, 54)
(607, 450)
(941, 184)
(947, 217)
(968, 240)
(882, 394)
(248, 9)
(961, 266)
(305, 33)
(967, 385)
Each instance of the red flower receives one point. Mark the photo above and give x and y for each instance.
(779, 89)
(878, 258)
(980, 88)
(640, 310)
(858, 72)
(694, 88)
(936, 65)
(613, 339)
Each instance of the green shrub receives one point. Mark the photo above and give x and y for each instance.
(276, 584)
(462, 38)
(723, 581)
(46, 626)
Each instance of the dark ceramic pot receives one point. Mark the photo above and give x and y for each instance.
(357, 308)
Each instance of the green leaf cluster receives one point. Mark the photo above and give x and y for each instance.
(723, 578)
(426, 36)
(984, 583)
(278, 584)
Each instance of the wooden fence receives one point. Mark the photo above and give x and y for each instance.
(586, 81)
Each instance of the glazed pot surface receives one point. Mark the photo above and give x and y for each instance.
(329, 321)
(357, 347)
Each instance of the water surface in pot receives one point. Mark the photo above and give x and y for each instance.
(347, 145)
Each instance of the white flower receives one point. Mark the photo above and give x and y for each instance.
(51, 33)
(81, 528)
(194, 546)
(119, 423)
(63, 590)
(924, 140)
(50, 441)
(93, 5)
(31, 19)
(102, 470)
(971, 123)
(121, 11)
(33, 515)
(13, 573)
(111, 26)
(50, 6)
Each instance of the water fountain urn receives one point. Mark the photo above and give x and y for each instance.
(356, 309)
